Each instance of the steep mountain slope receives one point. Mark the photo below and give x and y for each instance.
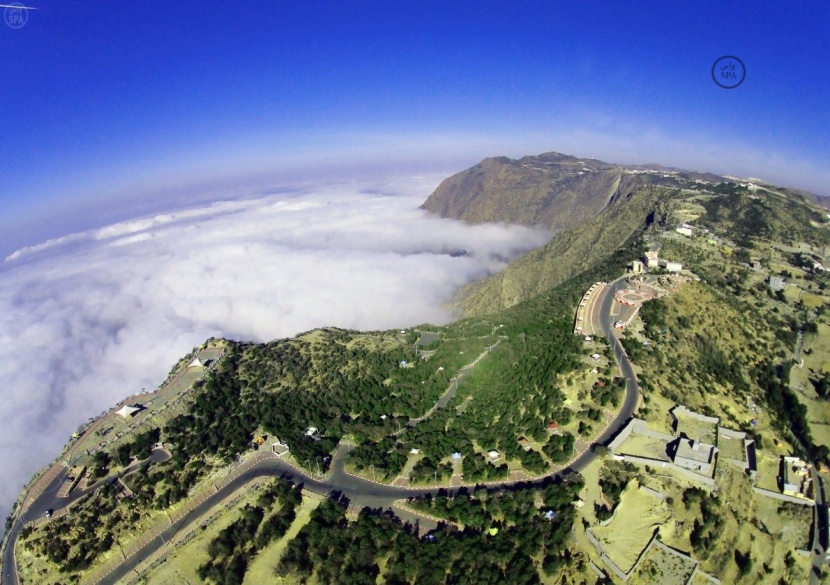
(598, 207)
(552, 189)
(569, 253)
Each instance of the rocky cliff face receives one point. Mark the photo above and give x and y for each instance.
(554, 190)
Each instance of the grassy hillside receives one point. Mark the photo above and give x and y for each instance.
(616, 230)
(729, 341)
(355, 384)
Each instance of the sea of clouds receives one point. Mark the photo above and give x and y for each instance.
(90, 318)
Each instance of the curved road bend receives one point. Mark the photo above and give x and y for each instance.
(360, 492)
(48, 500)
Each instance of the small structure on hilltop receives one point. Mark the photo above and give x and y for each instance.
(693, 455)
(795, 478)
(636, 267)
(671, 266)
(279, 448)
(494, 455)
(689, 451)
(128, 411)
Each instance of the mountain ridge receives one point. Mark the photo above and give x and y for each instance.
(594, 208)
(560, 191)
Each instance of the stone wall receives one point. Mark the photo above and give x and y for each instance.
(681, 410)
(782, 497)
(706, 482)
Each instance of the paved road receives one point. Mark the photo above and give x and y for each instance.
(592, 318)
(820, 527)
(49, 500)
(361, 492)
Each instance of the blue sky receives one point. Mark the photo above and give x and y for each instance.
(109, 108)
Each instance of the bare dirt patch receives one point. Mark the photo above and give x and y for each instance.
(661, 566)
(638, 515)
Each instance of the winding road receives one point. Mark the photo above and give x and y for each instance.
(360, 492)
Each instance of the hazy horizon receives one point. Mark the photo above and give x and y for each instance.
(114, 110)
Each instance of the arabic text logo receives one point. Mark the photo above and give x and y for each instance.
(728, 72)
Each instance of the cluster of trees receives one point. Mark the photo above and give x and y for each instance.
(100, 466)
(512, 393)
(232, 550)
(386, 456)
(714, 366)
(429, 470)
(334, 550)
(74, 542)
(605, 391)
(790, 413)
(217, 422)
(709, 526)
(822, 386)
(141, 447)
(160, 485)
(476, 468)
(613, 478)
(482, 508)
(559, 447)
(530, 459)
(744, 562)
(747, 218)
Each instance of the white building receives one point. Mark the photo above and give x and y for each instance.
(671, 266)
(684, 231)
(279, 448)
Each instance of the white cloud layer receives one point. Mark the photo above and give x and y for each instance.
(90, 318)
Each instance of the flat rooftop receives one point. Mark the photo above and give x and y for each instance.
(696, 451)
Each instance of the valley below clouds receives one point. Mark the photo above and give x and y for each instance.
(90, 318)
